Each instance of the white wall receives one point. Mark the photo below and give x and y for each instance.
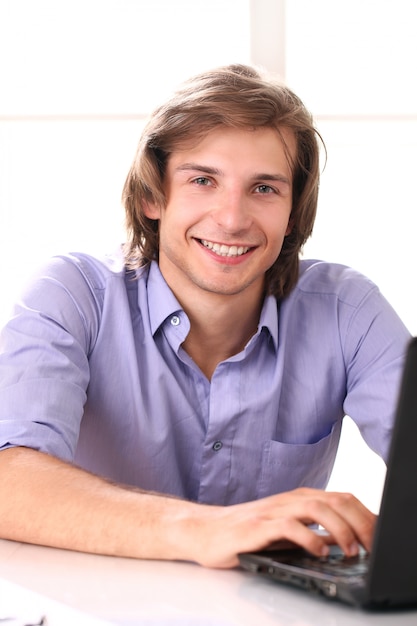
(78, 76)
(353, 63)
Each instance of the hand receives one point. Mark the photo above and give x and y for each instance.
(224, 532)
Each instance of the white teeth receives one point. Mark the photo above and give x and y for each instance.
(223, 250)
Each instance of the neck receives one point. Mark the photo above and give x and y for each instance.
(219, 329)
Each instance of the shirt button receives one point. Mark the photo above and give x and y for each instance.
(175, 320)
(217, 446)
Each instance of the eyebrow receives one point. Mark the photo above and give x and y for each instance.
(208, 169)
(279, 178)
(196, 167)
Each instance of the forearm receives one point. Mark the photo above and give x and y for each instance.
(46, 501)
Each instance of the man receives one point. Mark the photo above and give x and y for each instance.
(185, 400)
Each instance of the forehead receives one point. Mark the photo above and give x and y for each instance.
(246, 147)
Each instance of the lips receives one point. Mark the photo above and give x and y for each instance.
(222, 249)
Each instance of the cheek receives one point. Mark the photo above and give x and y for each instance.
(181, 216)
(277, 227)
(276, 240)
(173, 225)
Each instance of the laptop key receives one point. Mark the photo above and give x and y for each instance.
(339, 566)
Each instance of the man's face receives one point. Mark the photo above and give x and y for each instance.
(228, 206)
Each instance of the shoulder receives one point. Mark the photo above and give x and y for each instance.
(78, 282)
(78, 266)
(78, 271)
(334, 296)
(333, 279)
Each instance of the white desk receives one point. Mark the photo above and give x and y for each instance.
(108, 590)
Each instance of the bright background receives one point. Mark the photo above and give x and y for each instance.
(78, 78)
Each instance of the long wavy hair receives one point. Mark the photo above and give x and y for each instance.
(236, 96)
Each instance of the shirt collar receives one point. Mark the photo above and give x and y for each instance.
(161, 301)
(163, 304)
(269, 318)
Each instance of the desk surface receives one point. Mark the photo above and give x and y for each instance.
(128, 592)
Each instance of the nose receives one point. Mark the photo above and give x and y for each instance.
(232, 212)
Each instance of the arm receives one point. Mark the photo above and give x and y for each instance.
(46, 501)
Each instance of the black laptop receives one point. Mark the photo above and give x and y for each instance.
(387, 576)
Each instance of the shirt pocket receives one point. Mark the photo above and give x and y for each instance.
(286, 466)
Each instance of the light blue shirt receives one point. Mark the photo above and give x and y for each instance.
(92, 371)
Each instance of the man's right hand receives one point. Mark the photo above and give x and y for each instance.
(46, 501)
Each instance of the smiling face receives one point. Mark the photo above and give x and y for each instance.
(228, 207)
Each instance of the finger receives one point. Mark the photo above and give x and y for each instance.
(295, 534)
(326, 512)
(360, 519)
(353, 524)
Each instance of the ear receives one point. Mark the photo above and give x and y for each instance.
(289, 227)
(151, 210)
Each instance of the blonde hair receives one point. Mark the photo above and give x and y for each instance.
(236, 96)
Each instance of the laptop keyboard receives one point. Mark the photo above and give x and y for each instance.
(338, 565)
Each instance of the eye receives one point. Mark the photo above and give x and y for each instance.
(265, 189)
(201, 180)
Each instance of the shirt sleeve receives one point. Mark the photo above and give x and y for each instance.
(353, 344)
(374, 343)
(44, 371)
